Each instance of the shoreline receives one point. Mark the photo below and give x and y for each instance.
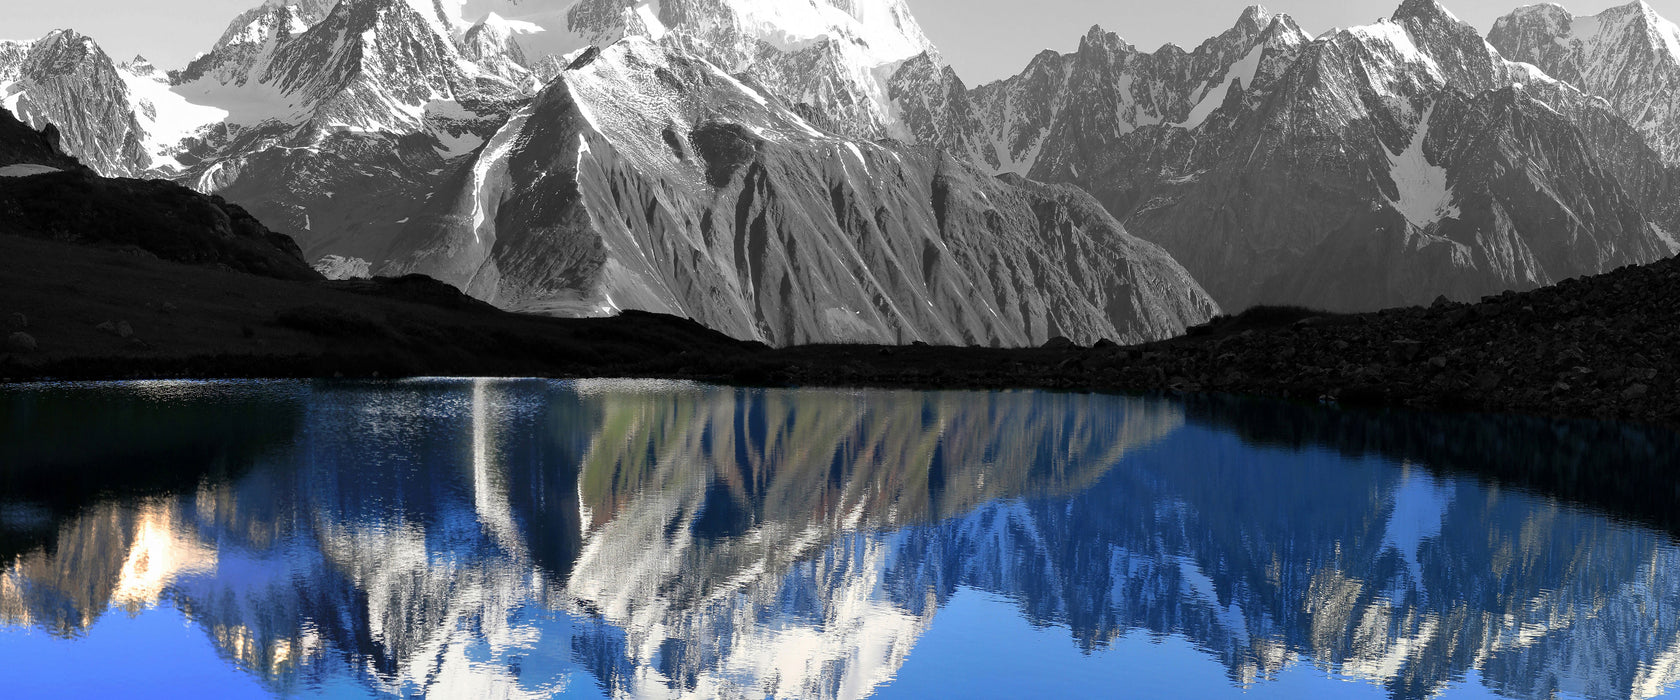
(1598, 348)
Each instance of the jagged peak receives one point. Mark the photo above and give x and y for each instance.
(65, 36)
(1044, 55)
(1544, 8)
(284, 17)
(1256, 17)
(1097, 37)
(492, 25)
(1610, 24)
(139, 65)
(1555, 17)
(1424, 10)
(1643, 11)
(69, 43)
(495, 21)
(1283, 29)
(365, 15)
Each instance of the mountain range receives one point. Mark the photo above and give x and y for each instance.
(815, 172)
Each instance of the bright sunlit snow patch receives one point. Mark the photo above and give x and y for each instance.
(453, 146)
(1667, 238)
(1424, 196)
(1402, 48)
(171, 117)
(649, 14)
(490, 172)
(513, 26)
(1243, 70)
(246, 105)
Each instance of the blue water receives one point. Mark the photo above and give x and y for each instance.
(460, 538)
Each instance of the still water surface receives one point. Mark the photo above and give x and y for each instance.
(655, 539)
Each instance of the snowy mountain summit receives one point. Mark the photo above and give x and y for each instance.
(835, 56)
(1628, 55)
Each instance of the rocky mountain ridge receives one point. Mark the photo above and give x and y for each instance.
(1627, 55)
(1366, 167)
(643, 178)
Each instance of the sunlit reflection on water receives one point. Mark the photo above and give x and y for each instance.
(477, 538)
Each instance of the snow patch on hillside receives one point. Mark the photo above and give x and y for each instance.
(490, 175)
(1402, 49)
(1667, 238)
(167, 116)
(1424, 196)
(1243, 70)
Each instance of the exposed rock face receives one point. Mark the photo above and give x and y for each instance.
(347, 123)
(1627, 55)
(837, 57)
(251, 40)
(645, 179)
(1067, 109)
(66, 80)
(1374, 166)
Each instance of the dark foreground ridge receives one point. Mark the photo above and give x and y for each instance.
(1596, 347)
(1600, 347)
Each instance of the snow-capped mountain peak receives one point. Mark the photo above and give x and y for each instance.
(1627, 55)
(140, 66)
(1424, 10)
(559, 28)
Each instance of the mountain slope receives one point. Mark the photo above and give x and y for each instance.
(66, 80)
(340, 127)
(641, 178)
(835, 56)
(1374, 166)
(1628, 55)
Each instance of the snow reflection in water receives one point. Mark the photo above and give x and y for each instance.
(655, 539)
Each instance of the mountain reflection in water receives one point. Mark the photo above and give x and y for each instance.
(655, 539)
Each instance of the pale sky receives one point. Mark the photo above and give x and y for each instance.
(983, 39)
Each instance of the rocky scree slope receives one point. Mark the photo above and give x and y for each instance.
(643, 178)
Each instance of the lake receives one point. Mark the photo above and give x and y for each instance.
(510, 538)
